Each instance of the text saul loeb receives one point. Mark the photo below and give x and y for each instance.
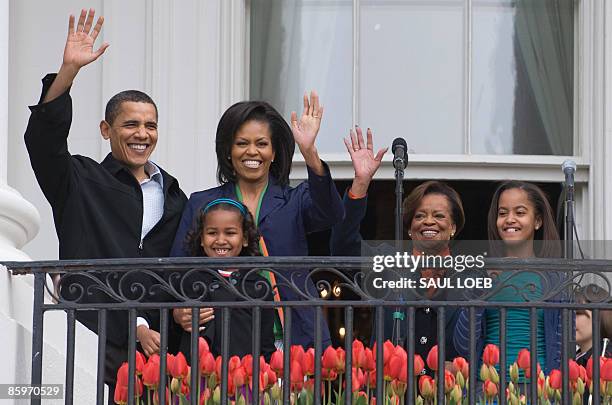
(442, 282)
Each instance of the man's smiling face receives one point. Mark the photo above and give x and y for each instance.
(132, 134)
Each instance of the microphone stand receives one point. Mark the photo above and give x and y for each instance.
(568, 253)
(399, 192)
(569, 221)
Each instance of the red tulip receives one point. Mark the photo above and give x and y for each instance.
(369, 363)
(419, 365)
(574, 371)
(297, 376)
(140, 362)
(490, 389)
(358, 353)
(606, 370)
(239, 375)
(170, 360)
(179, 366)
(462, 366)
(358, 379)
(341, 361)
(490, 355)
(150, 374)
(233, 363)
(247, 363)
(122, 375)
(202, 346)
(207, 363)
(267, 377)
(388, 350)
(555, 379)
(231, 387)
(309, 360)
(589, 367)
(276, 362)
(426, 386)
(121, 394)
(370, 379)
(394, 367)
(449, 381)
(582, 373)
(432, 358)
(296, 354)
(524, 359)
(330, 358)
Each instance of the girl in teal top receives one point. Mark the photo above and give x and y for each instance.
(520, 225)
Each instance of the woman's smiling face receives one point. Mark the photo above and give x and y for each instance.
(517, 219)
(432, 224)
(252, 152)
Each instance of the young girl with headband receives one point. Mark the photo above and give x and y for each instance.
(225, 228)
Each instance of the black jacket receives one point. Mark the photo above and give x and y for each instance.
(253, 287)
(97, 207)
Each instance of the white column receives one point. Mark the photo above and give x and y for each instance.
(601, 125)
(19, 220)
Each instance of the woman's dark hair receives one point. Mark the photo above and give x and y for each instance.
(593, 293)
(237, 115)
(413, 201)
(194, 237)
(550, 245)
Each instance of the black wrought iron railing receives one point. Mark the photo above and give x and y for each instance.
(162, 284)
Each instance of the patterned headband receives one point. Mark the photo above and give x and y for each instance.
(229, 201)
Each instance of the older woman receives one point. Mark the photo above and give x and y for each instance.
(433, 215)
(255, 147)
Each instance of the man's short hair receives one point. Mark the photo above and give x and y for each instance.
(113, 107)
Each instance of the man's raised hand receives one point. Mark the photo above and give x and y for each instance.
(79, 44)
(78, 52)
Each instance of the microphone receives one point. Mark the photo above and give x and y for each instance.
(400, 153)
(569, 168)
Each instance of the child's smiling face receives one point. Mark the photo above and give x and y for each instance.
(222, 234)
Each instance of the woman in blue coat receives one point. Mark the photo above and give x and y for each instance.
(255, 147)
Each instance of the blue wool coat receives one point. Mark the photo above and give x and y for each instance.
(287, 214)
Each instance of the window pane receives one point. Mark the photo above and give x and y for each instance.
(412, 73)
(522, 77)
(300, 45)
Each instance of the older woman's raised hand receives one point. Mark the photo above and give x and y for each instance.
(365, 163)
(305, 131)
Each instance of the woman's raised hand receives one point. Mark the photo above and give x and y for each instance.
(305, 131)
(365, 163)
(79, 51)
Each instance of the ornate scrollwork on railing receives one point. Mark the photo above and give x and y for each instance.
(200, 282)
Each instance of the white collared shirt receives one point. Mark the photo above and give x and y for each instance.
(152, 206)
(152, 198)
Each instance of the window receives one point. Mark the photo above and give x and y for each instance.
(460, 77)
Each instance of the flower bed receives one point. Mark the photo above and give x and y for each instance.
(333, 371)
